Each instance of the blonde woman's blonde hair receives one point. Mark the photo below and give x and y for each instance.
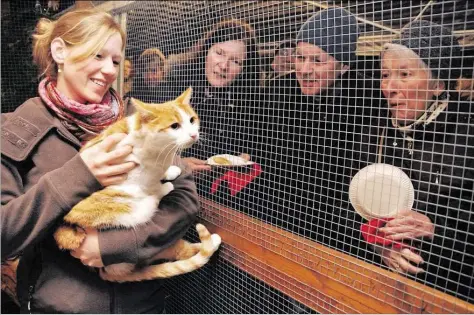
(89, 28)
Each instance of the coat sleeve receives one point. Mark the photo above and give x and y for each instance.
(177, 211)
(27, 216)
(454, 221)
(28, 213)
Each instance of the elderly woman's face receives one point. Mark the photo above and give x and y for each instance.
(224, 62)
(407, 87)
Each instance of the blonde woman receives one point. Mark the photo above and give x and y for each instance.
(44, 176)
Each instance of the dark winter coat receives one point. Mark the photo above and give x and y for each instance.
(305, 146)
(43, 177)
(440, 163)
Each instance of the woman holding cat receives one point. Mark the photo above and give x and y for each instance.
(44, 176)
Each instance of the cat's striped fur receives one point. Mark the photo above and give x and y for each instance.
(157, 132)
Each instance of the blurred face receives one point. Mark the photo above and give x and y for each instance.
(155, 73)
(224, 62)
(88, 80)
(407, 86)
(316, 70)
(284, 61)
(127, 69)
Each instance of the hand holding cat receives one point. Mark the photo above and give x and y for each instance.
(408, 225)
(89, 252)
(106, 162)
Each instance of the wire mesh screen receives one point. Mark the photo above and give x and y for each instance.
(336, 140)
(336, 151)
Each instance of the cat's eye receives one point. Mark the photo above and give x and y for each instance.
(175, 126)
(192, 120)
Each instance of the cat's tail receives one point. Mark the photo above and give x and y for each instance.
(209, 244)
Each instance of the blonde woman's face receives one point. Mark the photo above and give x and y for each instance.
(87, 81)
(224, 62)
(407, 87)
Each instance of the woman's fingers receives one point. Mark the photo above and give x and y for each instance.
(115, 156)
(111, 141)
(402, 221)
(405, 266)
(411, 256)
(117, 169)
(114, 180)
(197, 165)
(245, 156)
(396, 229)
(198, 168)
(105, 160)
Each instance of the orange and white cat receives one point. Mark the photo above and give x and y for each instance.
(157, 133)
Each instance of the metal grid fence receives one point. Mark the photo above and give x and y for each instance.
(293, 232)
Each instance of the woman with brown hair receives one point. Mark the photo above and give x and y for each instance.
(223, 68)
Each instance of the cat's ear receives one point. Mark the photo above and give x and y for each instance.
(145, 110)
(185, 98)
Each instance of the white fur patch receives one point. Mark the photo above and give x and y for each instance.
(172, 173)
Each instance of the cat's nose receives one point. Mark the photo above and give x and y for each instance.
(194, 136)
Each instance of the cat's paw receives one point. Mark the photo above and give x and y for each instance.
(216, 240)
(209, 243)
(166, 188)
(172, 172)
(68, 237)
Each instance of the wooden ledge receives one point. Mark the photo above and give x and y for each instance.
(324, 279)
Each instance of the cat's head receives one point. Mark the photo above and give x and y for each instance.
(172, 122)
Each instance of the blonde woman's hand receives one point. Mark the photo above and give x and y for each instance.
(89, 252)
(400, 259)
(408, 225)
(196, 165)
(106, 162)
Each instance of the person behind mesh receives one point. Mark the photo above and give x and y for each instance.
(430, 136)
(150, 73)
(223, 68)
(44, 175)
(304, 125)
(281, 63)
(128, 74)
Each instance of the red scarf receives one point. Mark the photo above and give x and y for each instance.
(85, 121)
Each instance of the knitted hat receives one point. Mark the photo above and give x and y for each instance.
(436, 46)
(335, 31)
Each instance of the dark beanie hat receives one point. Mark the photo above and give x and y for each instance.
(335, 31)
(436, 46)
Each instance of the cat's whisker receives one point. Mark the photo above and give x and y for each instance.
(167, 152)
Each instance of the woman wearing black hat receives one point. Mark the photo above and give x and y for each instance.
(431, 138)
